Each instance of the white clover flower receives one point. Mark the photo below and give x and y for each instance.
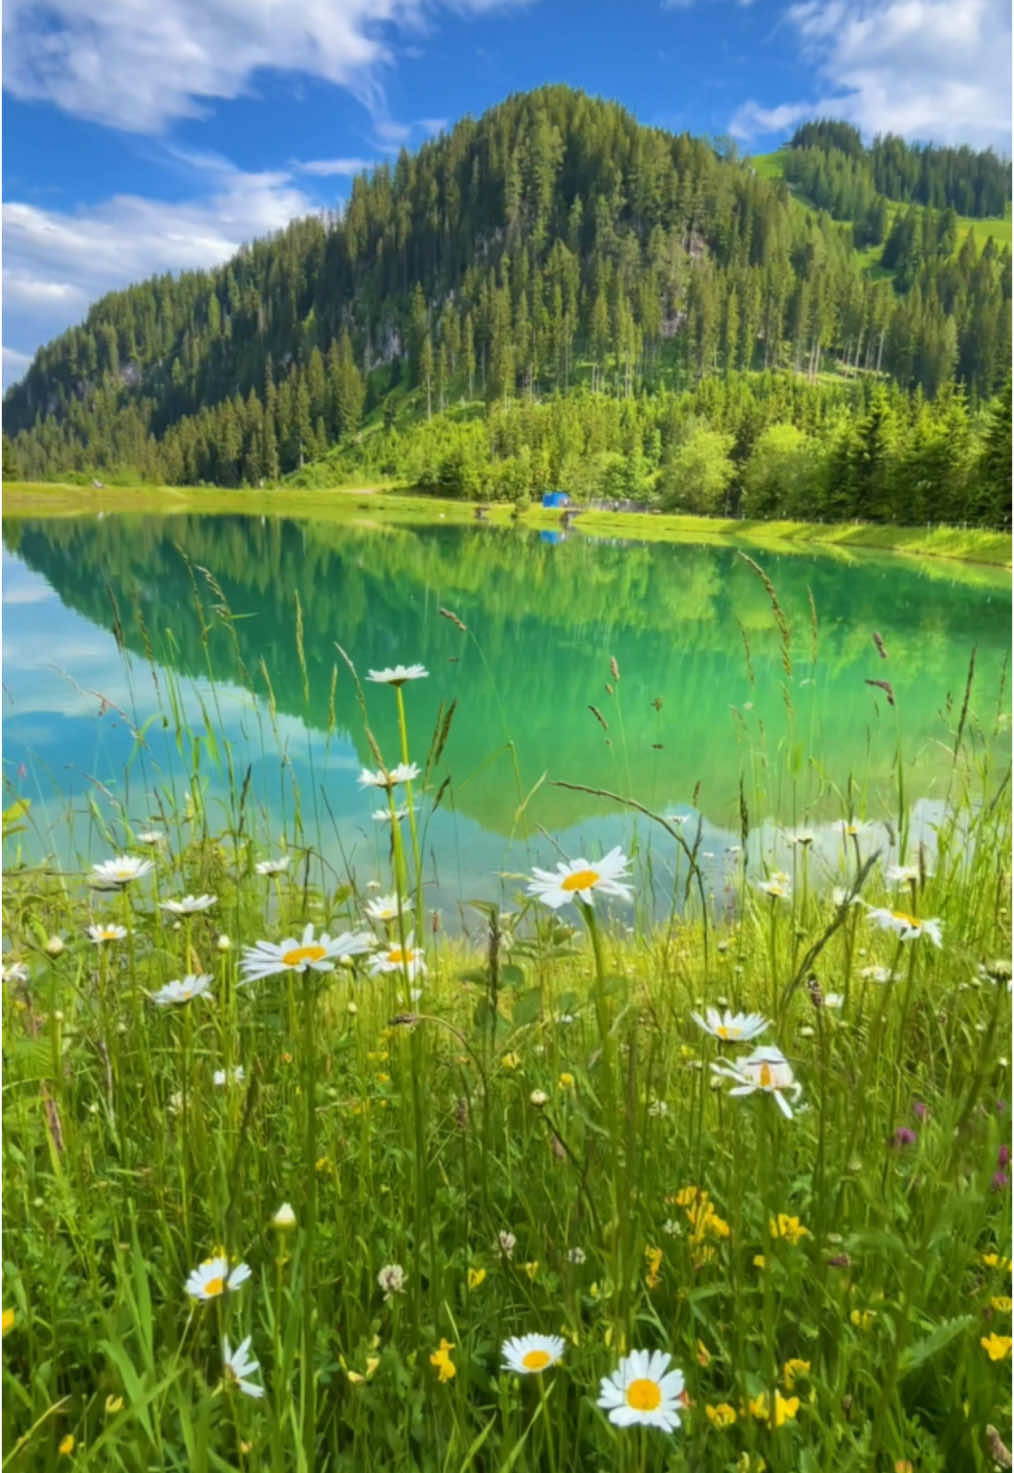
(54, 945)
(189, 905)
(291, 955)
(391, 1279)
(579, 879)
(732, 1027)
(214, 1277)
(405, 772)
(175, 992)
(223, 943)
(238, 1366)
(398, 674)
(99, 934)
(672, 1228)
(15, 972)
(395, 958)
(658, 1109)
(113, 874)
(767, 1070)
(905, 926)
(576, 1255)
(506, 1242)
(273, 866)
(236, 1075)
(641, 1390)
(527, 1355)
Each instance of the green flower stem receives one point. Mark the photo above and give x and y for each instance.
(410, 801)
(309, 1399)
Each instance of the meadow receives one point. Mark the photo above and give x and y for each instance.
(297, 1177)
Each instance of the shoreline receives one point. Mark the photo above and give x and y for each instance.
(971, 547)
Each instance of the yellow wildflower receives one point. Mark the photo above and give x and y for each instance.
(8, 1320)
(759, 1261)
(789, 1228)
(67, 1445)
(566, 1080)
(785, 1408)
(510, 1061)
(703, 1354)
(689, 1197)
(863, 1318)
(1002, 1304)
(902, 1465)
(793, 1369)
(475, 1277)
(531, 1269)
(722, 1415)
(748, 1464)
(357, 1378)
(997, 1347)
(441, 1358)
(993, 1260)
(653, 1278)
(114, 1404)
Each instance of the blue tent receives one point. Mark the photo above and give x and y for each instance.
(555, 498)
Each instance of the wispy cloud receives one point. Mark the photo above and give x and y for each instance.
(138, 66)
(926, 69)
(326, 168)
(56, 262)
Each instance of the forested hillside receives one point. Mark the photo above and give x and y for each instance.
(552, 248)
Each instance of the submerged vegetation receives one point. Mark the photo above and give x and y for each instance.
(296, 1180)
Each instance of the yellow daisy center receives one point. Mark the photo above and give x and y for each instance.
(214, 1286)
(723, 1032)
(580, 880)
(903, 916)
(765, 1076)
(304, 954)
(644, 1395)
(398, 956)
(536, 1360)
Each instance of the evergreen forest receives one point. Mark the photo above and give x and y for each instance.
(554, 295)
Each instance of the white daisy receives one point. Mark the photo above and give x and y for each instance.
(15, 972)
(405, 772)
(285, 1218)
(107, 933)
(840, 897)
(214, 1277)
(273, 866)
(153, 837)
(222, 1077)
(529, 1354)
(777, 887)
(238, 1365)
(290, 955)
(352, 944)
(189, 905)
(834, 1000)
(384, 815)
(766, 1069)
(112, 874)
(383, 908)
(398, 674)
(172, 992)
(732, 1027)
(395, 959)
(908, 927)
(579, 879)
(641, 1390)
(904, 874)
(802, 836)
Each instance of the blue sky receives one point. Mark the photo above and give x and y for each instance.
(143, 138)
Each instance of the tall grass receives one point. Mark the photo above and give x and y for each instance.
(530, 1129)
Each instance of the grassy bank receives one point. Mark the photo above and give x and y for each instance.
(534, 1129)
(971, 545)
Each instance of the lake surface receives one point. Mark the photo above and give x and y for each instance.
(111, 621)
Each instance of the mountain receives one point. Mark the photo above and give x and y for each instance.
(554, 246)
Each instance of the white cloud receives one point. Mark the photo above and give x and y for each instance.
(325, 168)
(931, 70)
(138, 65)
(56, 262)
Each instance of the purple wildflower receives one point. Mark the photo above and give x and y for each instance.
(1003, 1156)
(904, 1137)
(1001, 1181)
(920, 1109)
